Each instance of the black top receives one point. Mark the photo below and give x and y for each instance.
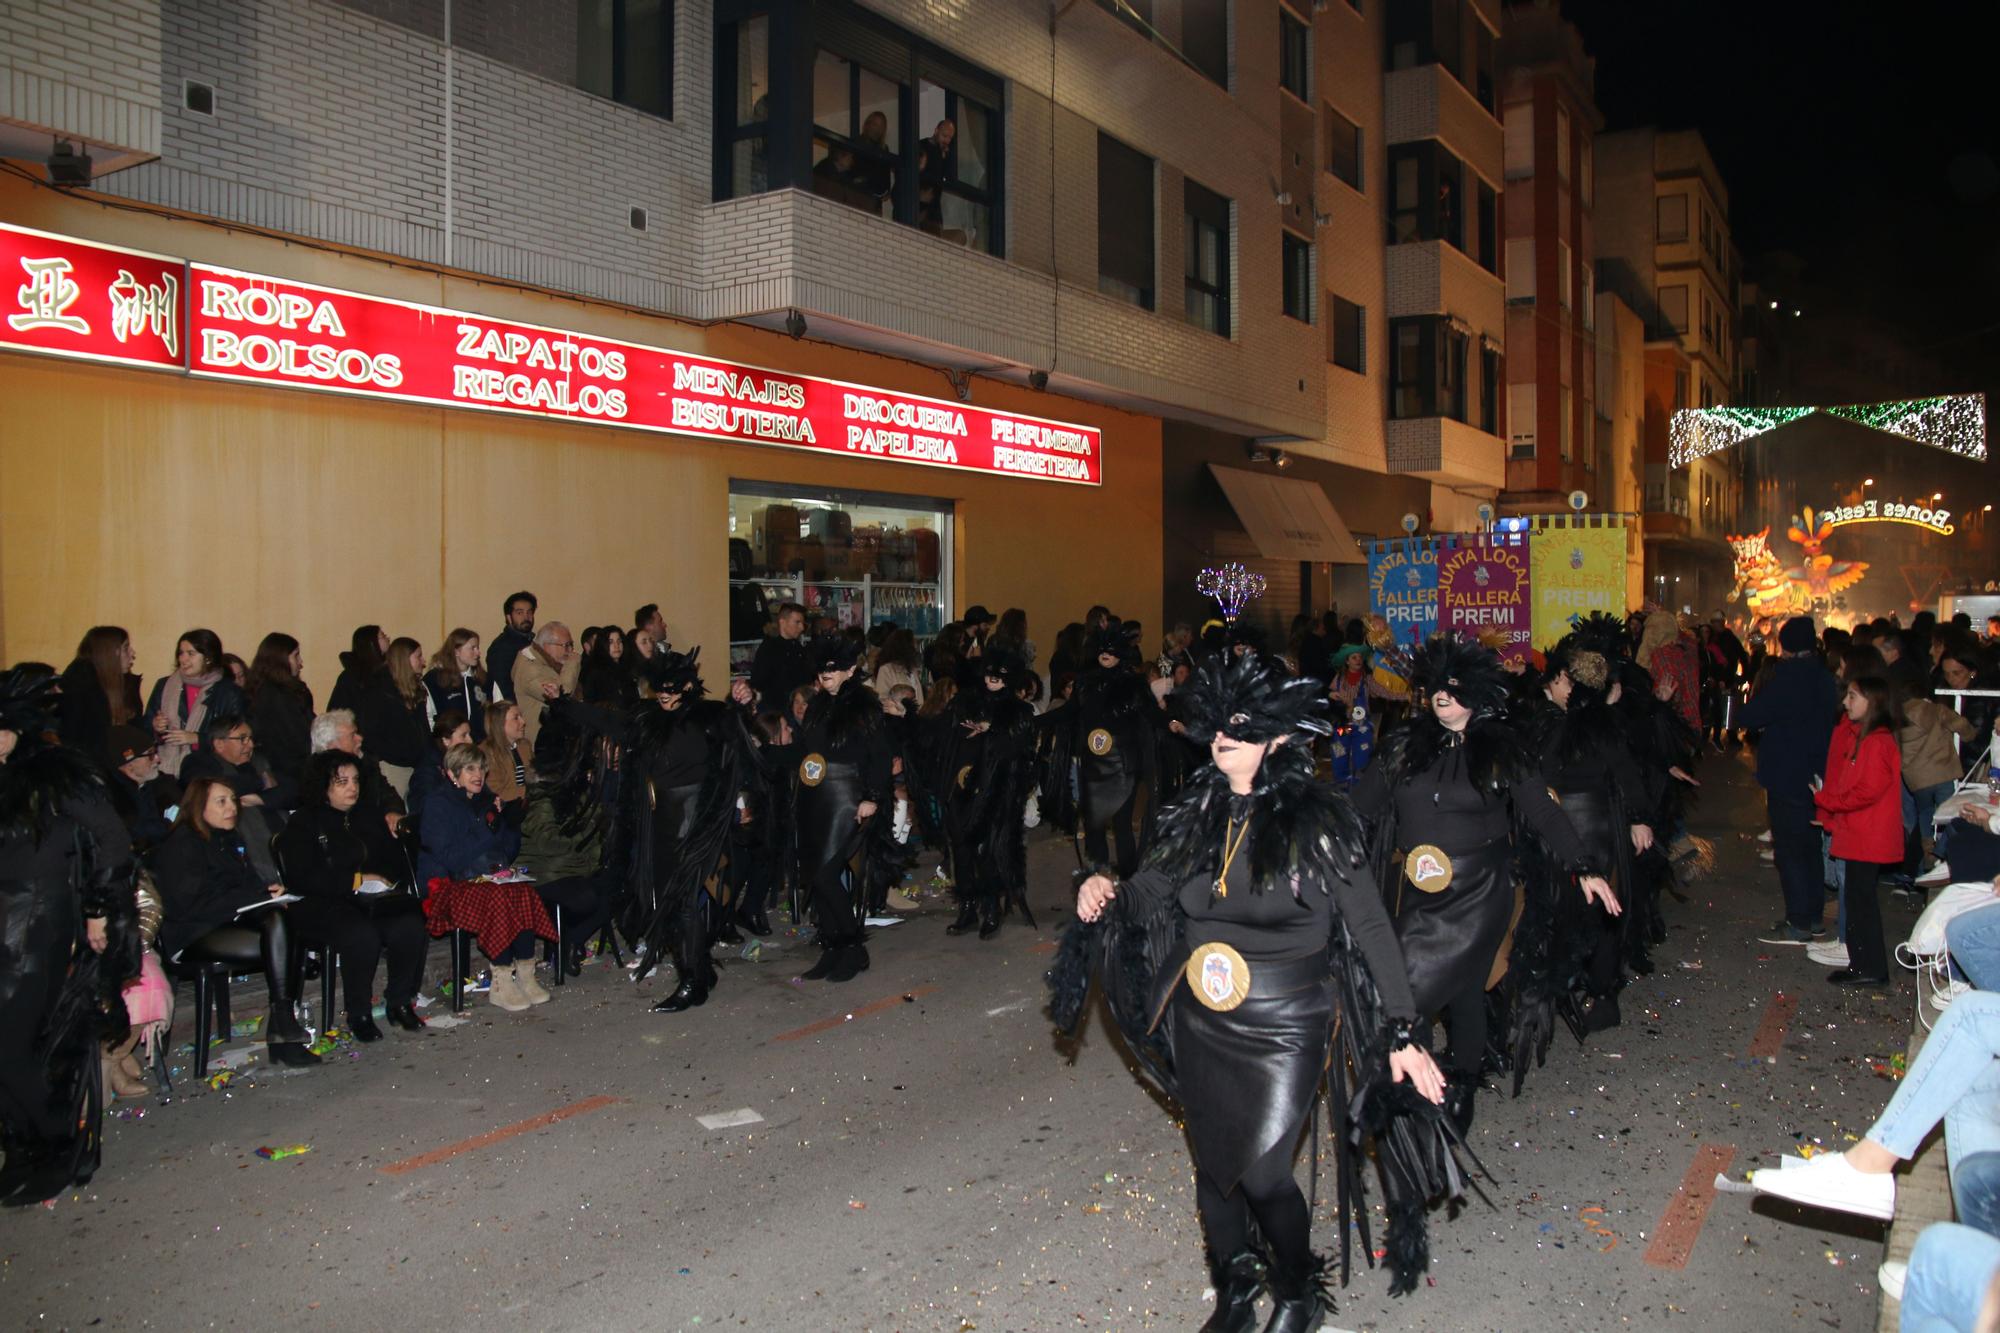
(202, 882)
(847, 728)
(683, 760)
(275, 791)
(781, 666)
(1441, 805)
(500, 655)
(323, 849)
(281, 721)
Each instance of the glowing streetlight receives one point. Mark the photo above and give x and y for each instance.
(1936, 496)
(1868, 481)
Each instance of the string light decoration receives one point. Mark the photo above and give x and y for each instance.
(1955, 423)
(1232, 586)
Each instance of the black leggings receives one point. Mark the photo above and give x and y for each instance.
(585, 907)
(833, 905)
(264, 940)
(360, 940)
(1094, 848)
(1268, 1193)
(1465, 1030)
(1867, 952)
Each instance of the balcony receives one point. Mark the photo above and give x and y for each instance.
(97, 89)
(1435, 278)
(1427, 103)
(1443, 450)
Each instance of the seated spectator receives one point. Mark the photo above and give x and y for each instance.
(98, 690)
(546, 668)
(199, 686)
(281, 705)
(330, 857)
(604, 678)
(465, 838)
(451, 728)
(229, 754)
(1963, 667)
(1930, 765)
(392, 714)
(335, 729)
(1952, 1281)
(457, 682)
(144, 797)
(358, 666)
(211, 895)
(148, 998)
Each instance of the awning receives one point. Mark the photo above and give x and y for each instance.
(1288, 517)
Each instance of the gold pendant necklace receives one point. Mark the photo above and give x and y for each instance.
(1232, 842)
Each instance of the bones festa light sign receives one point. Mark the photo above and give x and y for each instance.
(1928, 517)
(102, 303)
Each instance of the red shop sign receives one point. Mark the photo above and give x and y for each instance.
(66, 297)
(247, 327)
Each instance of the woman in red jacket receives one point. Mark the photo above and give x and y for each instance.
(1861, 805)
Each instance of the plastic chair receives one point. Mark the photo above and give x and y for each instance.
(211, 1001)
(329, 959)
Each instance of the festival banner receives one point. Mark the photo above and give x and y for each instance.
(63, 297)
(1403, 587)
(1576, 565)
(1483, 587)
(259, 329)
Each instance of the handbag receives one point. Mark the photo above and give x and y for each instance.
(1927, 936)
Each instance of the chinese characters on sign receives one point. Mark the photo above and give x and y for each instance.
(99, 302)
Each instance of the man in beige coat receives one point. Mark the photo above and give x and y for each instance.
(545, 669)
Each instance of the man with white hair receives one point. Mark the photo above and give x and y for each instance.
(545, 669)
(335, 729)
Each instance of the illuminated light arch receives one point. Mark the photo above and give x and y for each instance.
(1955, 423)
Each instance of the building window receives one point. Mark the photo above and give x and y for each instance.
(1565, 408)
(1294, 55)
(1482, 64)
(1492, 373)
(1589, 302)
(1425, 194)
(1410, 394)
(1134, 14)
(1674, 307)
(1487, 207)
(1562, 143)
(1298, 278)
(1521, 268)
(625, 51)
(1125, 263)
(1453, 345)
(1207, 232)
(885, 122)
(1344, 151)
(1205, 37)
(1562, 274)
(1521, 420)
(1518, 141)
(1587, 165)
(1672, 218)
(1348, 334)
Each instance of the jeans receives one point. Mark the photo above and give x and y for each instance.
(1795, 850)
(1950, 1271)
(1974, 941)
(1955, 1079)
(1919, 807)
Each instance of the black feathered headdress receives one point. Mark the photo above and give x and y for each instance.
(1467, 671)
(1120, 638)
(1240, 633)
(1599, 632)
(1246, 700)
(27, 704)
(834, 652)
(1000, 660)
(679, 673)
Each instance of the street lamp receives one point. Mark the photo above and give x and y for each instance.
(1868, 481)
(1936, 496)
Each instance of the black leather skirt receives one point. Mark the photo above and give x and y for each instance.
(1450, 938)
(673, 813)
(1591, 815)
(826, 810)
(1247, 1076)
(1107, 782)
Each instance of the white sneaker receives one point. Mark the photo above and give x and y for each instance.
(1827, 1181)
(1765, 836)
(1891, 1275)
(1831, 954)
(1766, 854)
(1941, 999)
(1936, 875)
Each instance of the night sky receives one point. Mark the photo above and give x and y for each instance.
(1868, 146)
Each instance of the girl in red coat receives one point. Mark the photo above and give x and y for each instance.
(1861, 805)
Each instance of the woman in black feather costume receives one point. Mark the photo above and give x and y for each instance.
(1258, 897)
(989, 770)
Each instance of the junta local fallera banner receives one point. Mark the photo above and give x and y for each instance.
(1573, 571)
(1483, 586)
(66, 297)
(1403, 587)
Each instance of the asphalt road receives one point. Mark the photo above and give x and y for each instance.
(923, 1159)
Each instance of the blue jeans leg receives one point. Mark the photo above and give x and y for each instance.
(1956, 1061)
(1949, 1272)
(1974, 941)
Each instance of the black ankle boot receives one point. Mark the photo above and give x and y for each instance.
(292, 1054)
(729, 934)
(1461, 1095)
(1236, 1286)
(989, 918)
(1602, 1014)
(755, 922)
(363, 1027)
(968, 916)
(828, 952)
(691, 992)
(850, 960)
(1298, 1300)
(405, 1016)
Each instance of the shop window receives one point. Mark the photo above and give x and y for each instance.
(1298, 278)
(1344, 147)
(1125, 254)
(1206, 227)
(1348, 335)
(860, 559)
(625, 51)
(1294, 54)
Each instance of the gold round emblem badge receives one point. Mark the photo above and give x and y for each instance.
(1218, 976)
(1099, 741)
(964, 776)
(1428, 869)
(812, 770)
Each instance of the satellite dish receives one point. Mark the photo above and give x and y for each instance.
(1577, 500)
(1485, 512)
(1410, 523)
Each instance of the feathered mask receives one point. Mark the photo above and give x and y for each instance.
(1464, 670)
(1245, 700)
(27, 703)
(1002, 662)
(680, 673)
(835, 652)
(1599, 632)
(1117, 638)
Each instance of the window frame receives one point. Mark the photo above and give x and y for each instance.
(1666, 315)
(1522, 433)
(1661, 236)
(1338, 129)
(1149, 292)
(620, 59)
(1191, 219)
(1292, 285)
(1291, 52)
(1345, 316)
(1492, 374)
(1436, 166)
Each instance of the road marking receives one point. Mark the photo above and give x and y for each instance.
(1010, 1006)
(872, 1007)
(1680, 1225)
(742, 1115)
(1770, 1034)
(493, 1136)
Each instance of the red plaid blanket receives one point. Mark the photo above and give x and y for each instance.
(495, 913)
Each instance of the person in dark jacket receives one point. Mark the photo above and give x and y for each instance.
(229, 754)
(99, 691)
(465, 837)
(392, 714)
(215, 908)
(358, 666)
(339, 866)
(1795, 707)
(783, 661)
(457, 682)
(145, 798)
(429, 778)
(281, 705)
(518, 633)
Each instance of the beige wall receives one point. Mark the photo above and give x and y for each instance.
(159, 502)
